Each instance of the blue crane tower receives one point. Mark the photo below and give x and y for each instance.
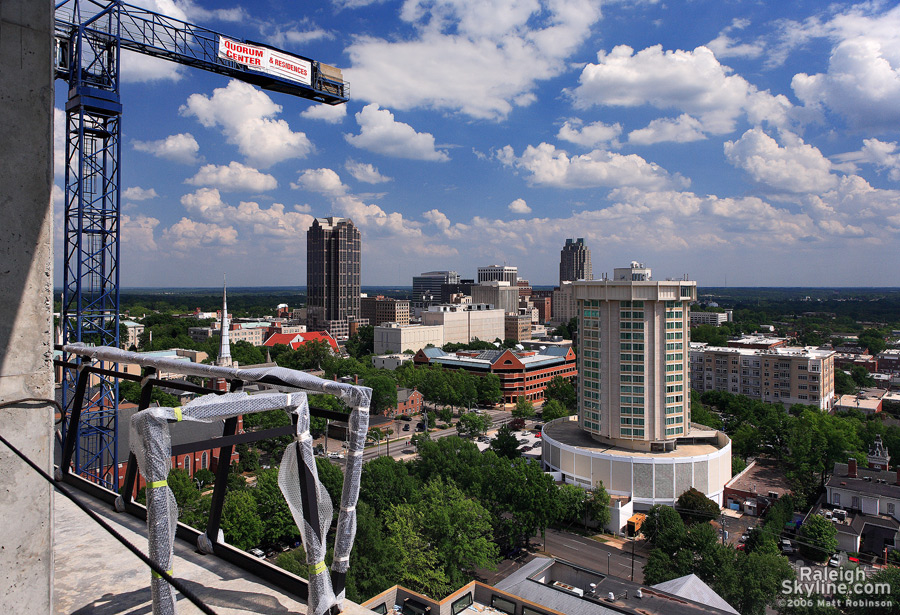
(90, 38)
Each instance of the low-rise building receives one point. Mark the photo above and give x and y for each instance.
(522, 373)
(464, 323)
(757, 487)
(381, 309)
(135, 329)
(777, 374)
(710, 318)
(868, 401)
(395, 338)
(295, 340)
(390, 361)
(517, 327)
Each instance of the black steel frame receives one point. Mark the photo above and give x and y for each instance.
(124, 502)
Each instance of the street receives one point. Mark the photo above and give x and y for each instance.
(596, 555)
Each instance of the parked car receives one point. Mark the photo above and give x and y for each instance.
(835, 560)
(406, 427)
(786, 546)
(257, 553)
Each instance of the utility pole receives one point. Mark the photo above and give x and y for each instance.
(633, 540)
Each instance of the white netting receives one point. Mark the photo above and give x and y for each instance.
(151, 444)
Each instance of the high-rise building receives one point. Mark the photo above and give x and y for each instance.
(332, 275)
(633, 432)
(498, 273)
(575, 261)
(379, 310)
(636, 364)
(429, 283)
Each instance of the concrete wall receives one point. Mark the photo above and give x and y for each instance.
(26, 303)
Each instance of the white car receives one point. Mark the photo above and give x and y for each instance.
(835, 561)
(257, 552)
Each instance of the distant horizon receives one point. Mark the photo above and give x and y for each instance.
(542, 286)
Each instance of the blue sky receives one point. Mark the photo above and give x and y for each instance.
(741, 143)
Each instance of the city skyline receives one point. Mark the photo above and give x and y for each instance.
(742, 145)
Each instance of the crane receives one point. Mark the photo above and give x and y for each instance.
(90, 38)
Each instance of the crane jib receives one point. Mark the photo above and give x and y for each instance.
(263, 59)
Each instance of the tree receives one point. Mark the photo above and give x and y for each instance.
(277, 522)
(362, 343)
(488, 387)
(664, 527)
(240, 522)
(561, 389)
(571, 500)
(204, 477)
(384, 392)
(246, 353)
(384, 481)
(416, 563)
(695, 507)
(505, 443)
(249, 457)
(861, 376)
(818, 538)
(445, 414)
(472, 424)
(596, 507)
(843, 383)
(524, 408)
(873, 339)
(553, 409)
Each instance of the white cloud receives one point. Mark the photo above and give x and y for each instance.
(879, 153)
(365, 172)
(519, 206)
(590, 135)
(303, 209)
(693, 82)
(332, 114)
(724, 46)
(323, 181)
(246, 116)
(137, 232)
(186, 235)
(181, 148)
(479, 58)
(380, 133)
(682, 129)
(549, 166)
(59, 142)
(796, 167)
(136, 193)
(272, 222)
(233, 177)
(141, 68)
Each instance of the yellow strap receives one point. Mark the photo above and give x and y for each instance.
(177, 413)
(319, 568)
(157, 484)
(156, 575)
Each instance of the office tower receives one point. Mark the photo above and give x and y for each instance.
(633, 345)
(575, 262)
(498, 273)
(429, 283)
(332, 275)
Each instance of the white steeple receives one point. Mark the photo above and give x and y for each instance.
(224, 359)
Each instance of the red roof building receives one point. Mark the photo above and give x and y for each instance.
(295, 340)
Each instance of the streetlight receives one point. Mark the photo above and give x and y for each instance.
(607, 562)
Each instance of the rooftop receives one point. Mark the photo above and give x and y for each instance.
(762, 476)
(571, 434)
(840, 480)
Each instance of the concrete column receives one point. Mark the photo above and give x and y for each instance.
(26, 303)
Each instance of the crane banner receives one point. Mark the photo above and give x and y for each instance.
(265, 60)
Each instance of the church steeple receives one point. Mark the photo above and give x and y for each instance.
(224, 359)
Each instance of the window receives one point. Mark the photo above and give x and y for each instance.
(203, 461)
(187, 464)
(854, 502)
(381, 609)
(504, 605)
(890, 508)
(460, 604)
(836, 499)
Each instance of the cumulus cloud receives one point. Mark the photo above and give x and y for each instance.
(365, 172)
(519, 206)
(549, 166)
(272, 222)
(187, 234)
(234, 176)
(136, 193)
(141, 68)
(795, 167)
(693, 82)
(724, 46)
(590, 135)
(323, 181)
(382, 134)
(481, 59)
(682, 129)
(246, 116)
(332, 114)
(181, 148)
(138, 232)
(881, 154)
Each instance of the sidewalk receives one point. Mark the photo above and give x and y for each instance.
(642, 547)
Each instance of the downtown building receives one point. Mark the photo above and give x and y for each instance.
(575, 262)
(633, 432)
(333, 276)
